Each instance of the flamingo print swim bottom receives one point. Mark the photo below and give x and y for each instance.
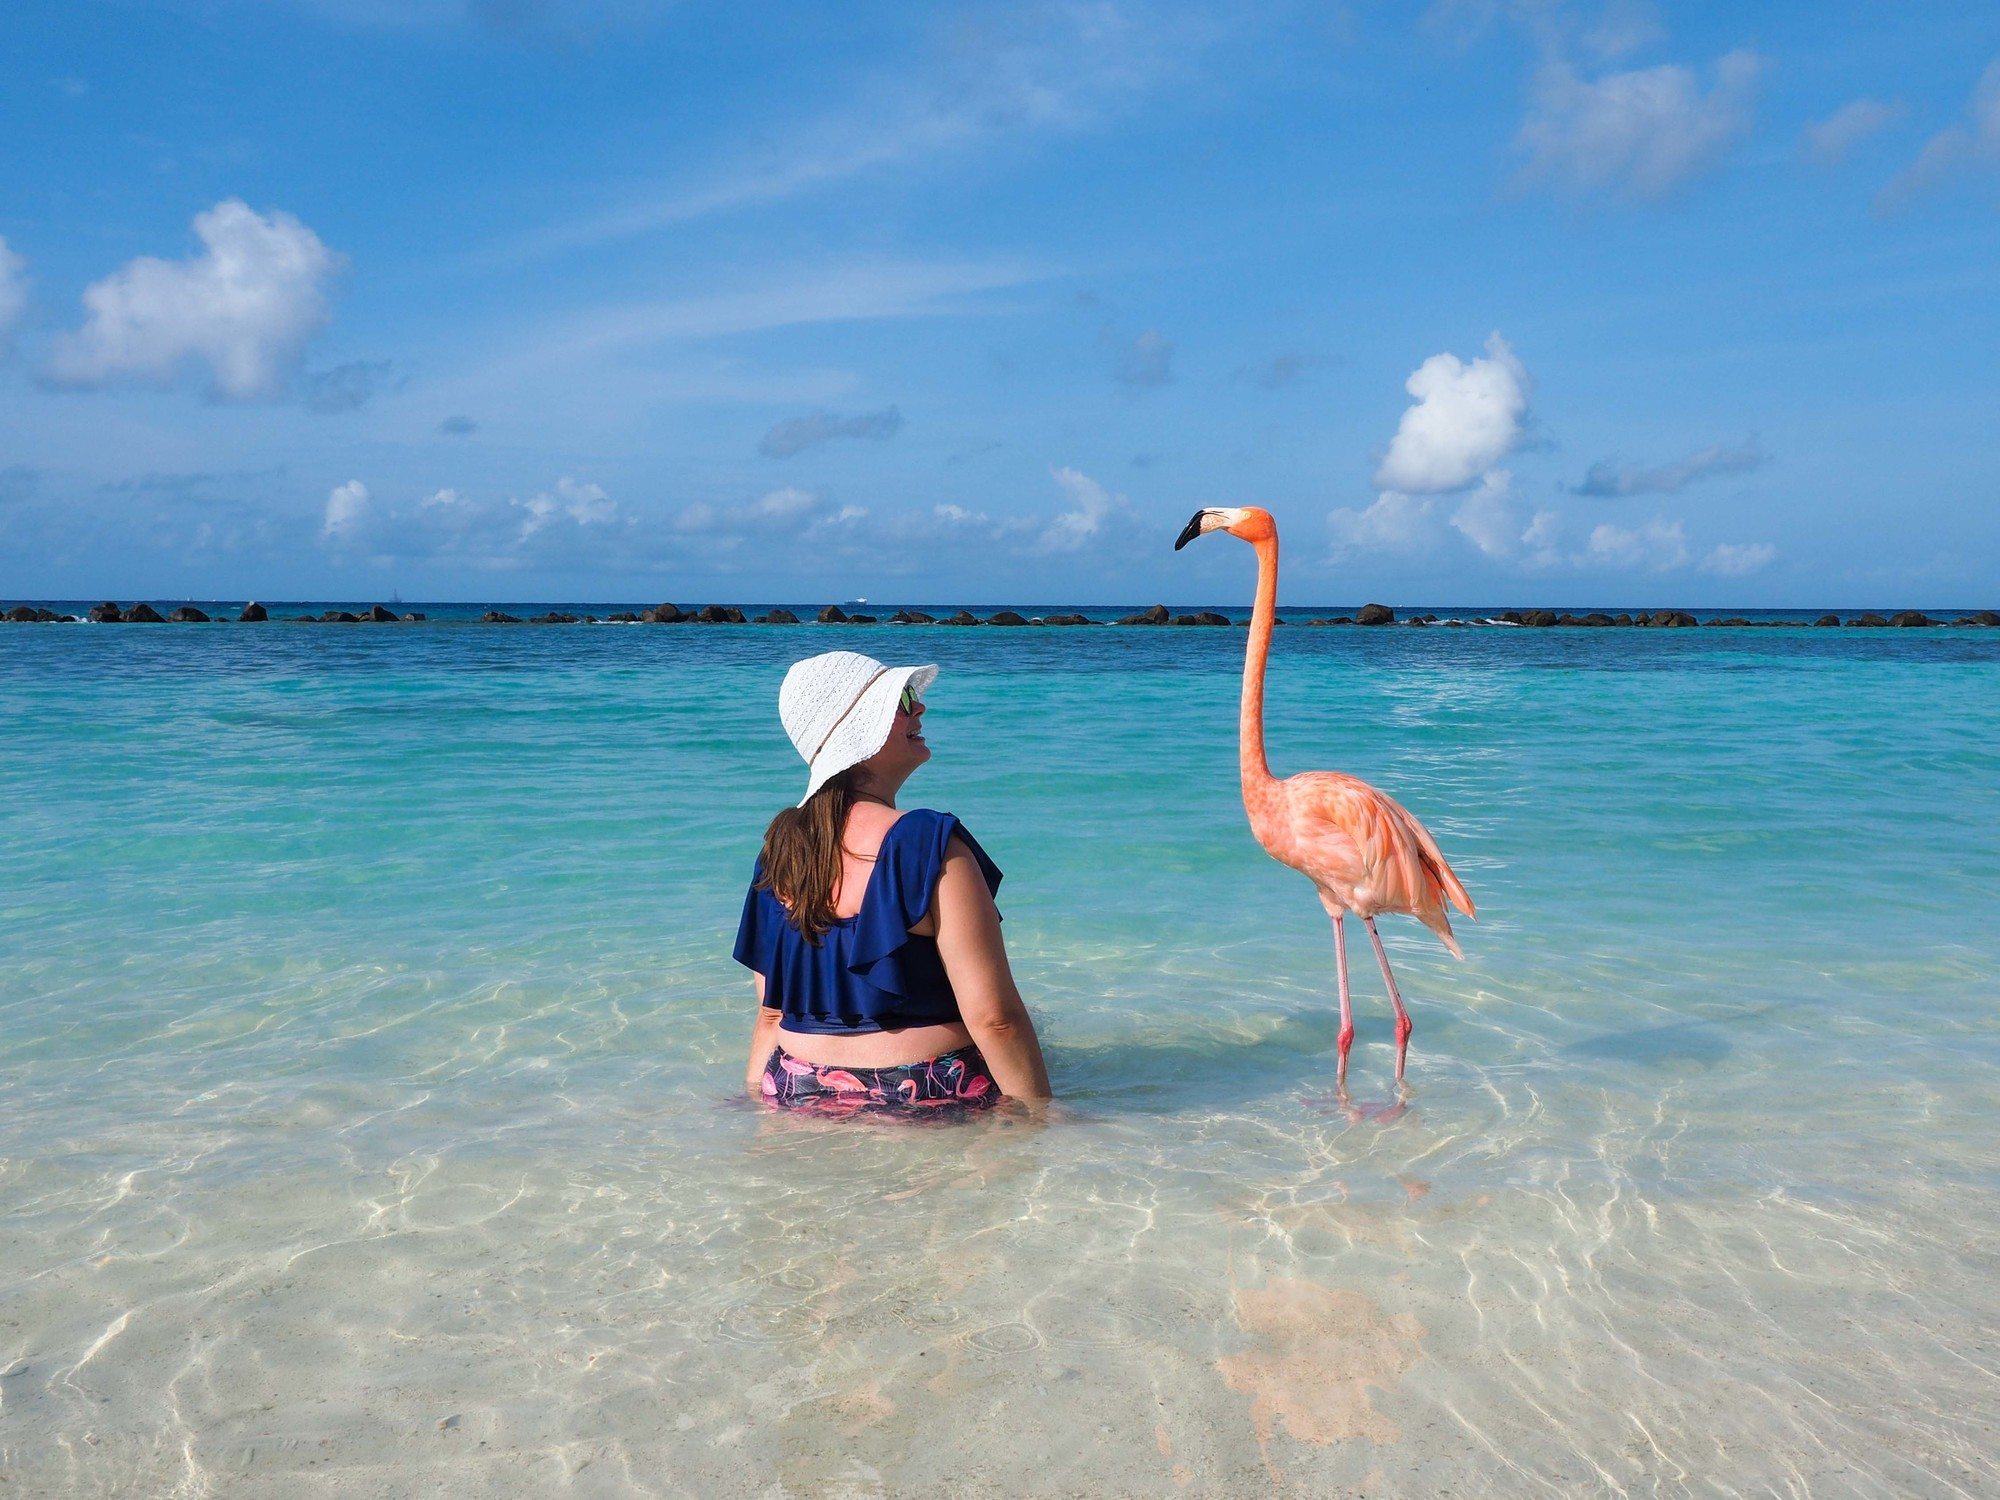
(953, 1083)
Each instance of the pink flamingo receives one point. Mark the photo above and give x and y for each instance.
(1362, 850)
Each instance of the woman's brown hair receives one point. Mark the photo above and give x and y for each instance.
(802, 856)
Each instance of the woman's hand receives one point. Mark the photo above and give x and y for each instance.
(975, 960)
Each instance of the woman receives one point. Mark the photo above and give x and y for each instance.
(882, 979)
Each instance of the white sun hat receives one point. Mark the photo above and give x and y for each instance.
(839, 707)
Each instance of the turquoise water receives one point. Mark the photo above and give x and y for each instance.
(371, 1054)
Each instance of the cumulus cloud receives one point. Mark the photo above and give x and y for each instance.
(573, 519)
(1467, 417)
(344, 387)
(1735, 559)
(1505, 531)
(1143, 362)
(1828, 141)
(571, 499)
(1971, 143)
(1655, 547)
(1638, 134)
(1091, 507)
(246, 306)
(801, 433)
(1606, 479)
(13, 290)
(346, 511)
(1394, 523)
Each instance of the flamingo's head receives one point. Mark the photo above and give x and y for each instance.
(1250, 522)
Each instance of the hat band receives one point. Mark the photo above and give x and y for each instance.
(845, 712)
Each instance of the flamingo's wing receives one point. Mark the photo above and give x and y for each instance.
(1395, 863)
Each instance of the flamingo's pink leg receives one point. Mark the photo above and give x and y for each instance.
(1404, 1025)
(1346, 1038)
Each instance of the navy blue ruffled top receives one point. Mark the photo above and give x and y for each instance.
(869, 972)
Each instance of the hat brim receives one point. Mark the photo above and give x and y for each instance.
(865, 729)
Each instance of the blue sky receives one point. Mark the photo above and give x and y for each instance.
(1507, 301)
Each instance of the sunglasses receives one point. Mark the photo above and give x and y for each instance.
(909, 703)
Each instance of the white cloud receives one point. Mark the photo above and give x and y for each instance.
(1394, 523)
(788, 503)
(572, 500)
(246, 306)
(1638, 134)
(1828, 141)
(1606, 480)
(958, 515)
(1973, 142)
(1466, 419)
(1655, 547)
(13, 290)
(346, 511)
(1734, 559)
(1091, 508)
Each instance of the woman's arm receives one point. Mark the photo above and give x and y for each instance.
(763, 1037)
(975, 960)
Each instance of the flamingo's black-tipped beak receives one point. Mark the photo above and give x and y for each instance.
(1190, 531)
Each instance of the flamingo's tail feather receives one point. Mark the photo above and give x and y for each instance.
(1442, 927)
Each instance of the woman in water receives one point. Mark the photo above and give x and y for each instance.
(882, 979)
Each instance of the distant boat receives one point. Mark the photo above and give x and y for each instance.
(857, 601)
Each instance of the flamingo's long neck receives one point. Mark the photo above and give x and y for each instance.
(1256, 652)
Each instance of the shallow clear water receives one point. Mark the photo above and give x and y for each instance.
(372, 1053)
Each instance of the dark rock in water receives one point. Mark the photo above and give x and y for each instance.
(1541, 617)
(1341, 620)
(144, 614)
(1670, 619)
(1157, 615)
(1869, 618)
(340, 617)
(1827, 620)
(1417, 620)
(963, 617)
(1979, 617)
(912, 617)
(778, 617)
(380, 615)
(1202, 617)
(1598, 618)
(106, 613)
(415, 617)
(1007, 617)
(187, 614)
(552, 618)
(1512, 617)
(624, 617)
(1068, 620)
(253, 614)
(1622, 620)
(499, 617)
(833, 614)
(1909, 617)
(862, 620)
(1730, 620)
(662, 614)
(303, 619)
(23, 614)
(719, 614)
(1375, 614)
